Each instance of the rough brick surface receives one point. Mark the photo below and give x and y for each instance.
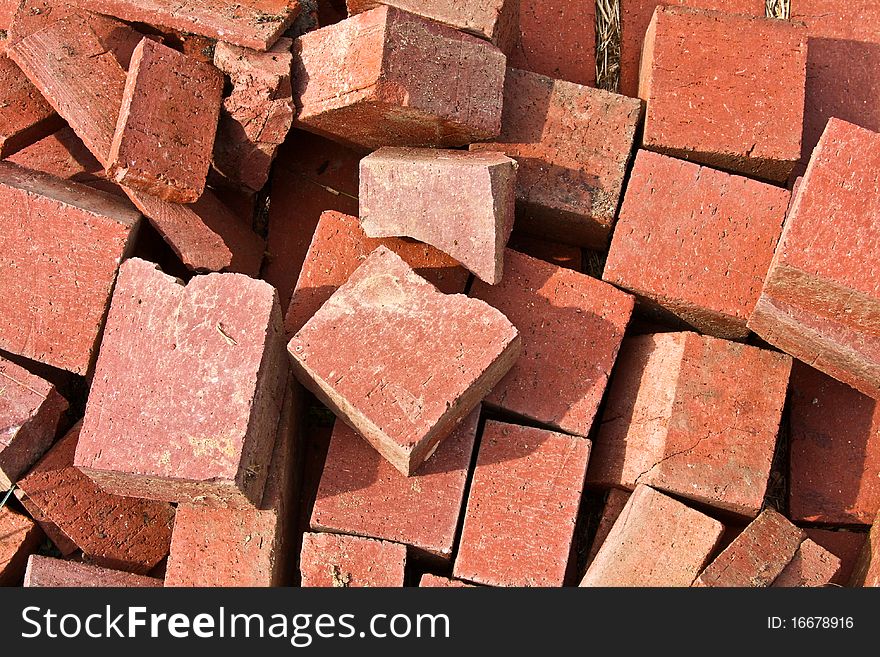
(332, 560)
(811, 566)
(694, 416)
(60, 246)
(708, 104)
(845, 545)
(19, 538)
(63, 154)
(821, 298)
(573, 145)
(571, 327)
(355, 82)
(435, 582)
(31, 411)
(116, 532)
(522, 507)
(339, 246)
(867, 570)
(204, 437)
(49, 572)
(614, 504)
(461, 203)
(25, 116)
(695, 242)
(164, 136)
(362, 494)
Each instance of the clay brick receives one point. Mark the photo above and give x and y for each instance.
(845, 545)
(573, 145)
(835, 451)
(112, 531)
(377, 369)
(614, 504)
(523, 503)
(694, 416)
(461, 203)
(31, 411)
(867, 570)
(557, 38)
(811, 566)
(54, 573)
(339, 246)
(571, 327)
(758, 556)
(19, 538)
(362, 494)
(25, 116)
(332, 560)
(355, 82)
(204, 437)
(61, 154)
(257, 114)
(435, 582)
(709, 104)
(164, 136)
(821, 297)
(562, 255)
(695, 242)
(60, 246)
(7, 11)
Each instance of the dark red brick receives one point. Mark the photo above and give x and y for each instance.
(19, 538)
(867, 570)
(845, 545)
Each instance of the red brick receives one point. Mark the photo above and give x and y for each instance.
(355, 82)
(377, 369)
(60, 247)
(362, 494)
(867, 570)
(253, 23)
(563, 255)
(821, 298)
(19, 538)
(257, 114)
(523, 503)
(203, 437)
(435, 582)
(31, 410)
(614, 505)
(339, 247)
(811, 566)
(54, 573)
(573, 145)
(112, 531)
(835, 451)
(7, 11)
(756, 557)
(845, 545)
(656, 541)
(461, 203)
(694, 416)
(332, 560)
(709, 104)
(557, 38)
(61, 154)
(695, 242)
(25, 116)
(571, 327)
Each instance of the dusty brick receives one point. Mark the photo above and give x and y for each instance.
(362, 494)
(204, 437)
(435, 582)
(811, 566)
(257, 114)
(19, 538)
(845, 545)
(867, 570)
(614, 504)
(54, 573)
(563, 255)
(31, 411)
(571, 327)
(835, 451)
(709, 104)
(332, 560)
(461, 203)
(112, 531)
(758, 556)
(25, 116)
(355, 82)
(695, 242)
(573, 145)
(60, 246)
(339, 246)
(523, 503)
(694, 416)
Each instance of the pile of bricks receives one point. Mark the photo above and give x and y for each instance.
(388, 293)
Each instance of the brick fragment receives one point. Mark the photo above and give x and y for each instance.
(708, 104)
(571, 327)
(206, 437)
(355, 82)
(19, 538)
(60, 247)
(523, 503)
(25, 116)
(694, 416)
(867, 570)
(573, 145)
(435, 582)
(695, 243)
(112, 531)
(811, 566)
(62, 154)
(563, 255)
(54, 573)
(461, 203)
(333, 560)
(845, 545)
(614, 504)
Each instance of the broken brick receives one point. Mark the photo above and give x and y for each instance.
(867, 570)
(55, 573)
(19, 538)
(63, 154)
(25, 116)
(811, 566)
(614, 503)
(845, 545)
(333, 560)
